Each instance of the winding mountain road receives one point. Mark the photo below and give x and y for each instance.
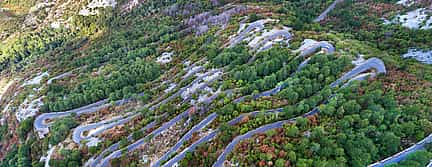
(231, 146)
(60, 76)
(323, 15)
(304, 53)
(182, 90)
(257, 26)
(370, 64)
(99, 127)
(92, 162)
(238, 100)
(138, 143)
(373, 63)
(403, 154)
(211, 135)
(316, 46)
(186, 137)
(263, 44)
(41, 126)
(116, 154)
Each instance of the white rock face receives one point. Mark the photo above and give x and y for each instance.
(307, 43)
(101, 4)
(208, 94)
(386, 22)
(165, 58)
(416, 19)
(130, 5)
(4, 9)
(170, 88)
(187, 63)
(28, 109)
(249, 31)
(48, 157)
(145, 159)
(39, 6)
(192, 70)
(268, 38)
(31, 104)
(422, 56)
(258, 38)
(359, 60)
(405, 2)
(55, 25)
(201, 22)
(42, 132)
(91, 8)
(201, 85)
(212, 77)
(36, 80)
(87, 12)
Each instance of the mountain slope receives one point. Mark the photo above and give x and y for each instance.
(215, 83)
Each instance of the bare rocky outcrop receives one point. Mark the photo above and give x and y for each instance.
(92, 7)
(200, 22)
(420, 55)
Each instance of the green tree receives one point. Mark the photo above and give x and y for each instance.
(390, 143)
(280, 162)
(291, 131)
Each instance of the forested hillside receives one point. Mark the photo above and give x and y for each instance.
(215, 83)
